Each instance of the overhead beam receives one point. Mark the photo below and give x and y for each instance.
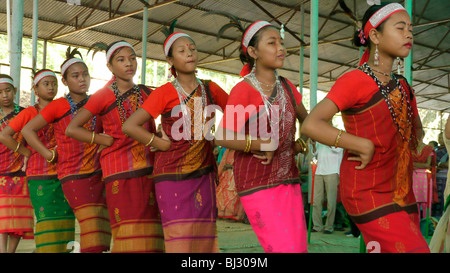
(128, 14)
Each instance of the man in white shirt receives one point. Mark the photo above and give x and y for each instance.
(326, 180)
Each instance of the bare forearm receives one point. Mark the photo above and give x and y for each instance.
(33, 140)
(235, 141)
(7, 139)
(143, 136)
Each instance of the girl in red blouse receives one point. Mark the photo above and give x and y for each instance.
(77, 162)
(55, 225)
(126, 164)
(382, 128)
(185, 168)
(259, 124)
(16, 212)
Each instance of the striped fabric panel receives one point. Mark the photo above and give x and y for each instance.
(95, 228)
(53, 235)
(138, 236)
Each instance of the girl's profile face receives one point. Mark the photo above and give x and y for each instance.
(47, 88)
(396, 38)
(7, 93)
(184, 55)
(123, 63)
(269, 51)
(78, 79)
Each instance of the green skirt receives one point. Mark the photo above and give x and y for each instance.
(55, 225)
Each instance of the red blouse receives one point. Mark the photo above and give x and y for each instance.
(37, 168)
(185, 159)
(76, 159)
(126, 157)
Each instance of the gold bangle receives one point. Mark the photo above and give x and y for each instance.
(248, 144)
(17, 148)
(93, 136)
(302, 144)
(150, 141)
(53, 156)
(337, 139)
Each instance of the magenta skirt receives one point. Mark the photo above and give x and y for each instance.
(278, 219)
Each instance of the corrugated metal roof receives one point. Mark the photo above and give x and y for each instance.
(336, 54)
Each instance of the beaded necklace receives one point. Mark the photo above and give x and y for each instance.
(120, 100)
(187, 123)
(385, 91)
(74, 110)
(269, 101)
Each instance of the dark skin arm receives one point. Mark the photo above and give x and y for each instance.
(133, 127)
(316, 126)
(262, 149)
(76, 131)
(29, 132)
(6, 138)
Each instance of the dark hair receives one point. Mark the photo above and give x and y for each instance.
(245, 57)
(369, 12)
(39, 71)
(6, 76)
(69, 55)
(101, 46)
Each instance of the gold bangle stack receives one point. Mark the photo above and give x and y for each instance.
(337, 139)
(303, 145)
(150, 141)
(17, 147)
(93, 136)
(53, 156)
(249, 144)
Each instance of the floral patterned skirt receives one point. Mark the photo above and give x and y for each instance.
(16, 212)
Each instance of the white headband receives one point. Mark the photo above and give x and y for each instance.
(42, 75)
(382, 14)
(6, 80)
(171, 39)
(251, 31)
(69, 63)
(115, 47)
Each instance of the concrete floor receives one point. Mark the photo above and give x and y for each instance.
(236, 237)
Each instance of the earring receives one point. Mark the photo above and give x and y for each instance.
(376, 58)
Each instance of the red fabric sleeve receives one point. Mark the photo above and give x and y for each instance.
(352, 90)
(18, 122)
(220, 97)
(242, 103)
(100, 100)
(55, 110)
(161, 100)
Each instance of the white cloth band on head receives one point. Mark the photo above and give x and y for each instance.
(42, 75)
(382, 14)
(69, 63)
(6, 80)
(172, 39)
(115, 47)
(251, 31)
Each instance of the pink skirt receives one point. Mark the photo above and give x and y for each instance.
(277, 217)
